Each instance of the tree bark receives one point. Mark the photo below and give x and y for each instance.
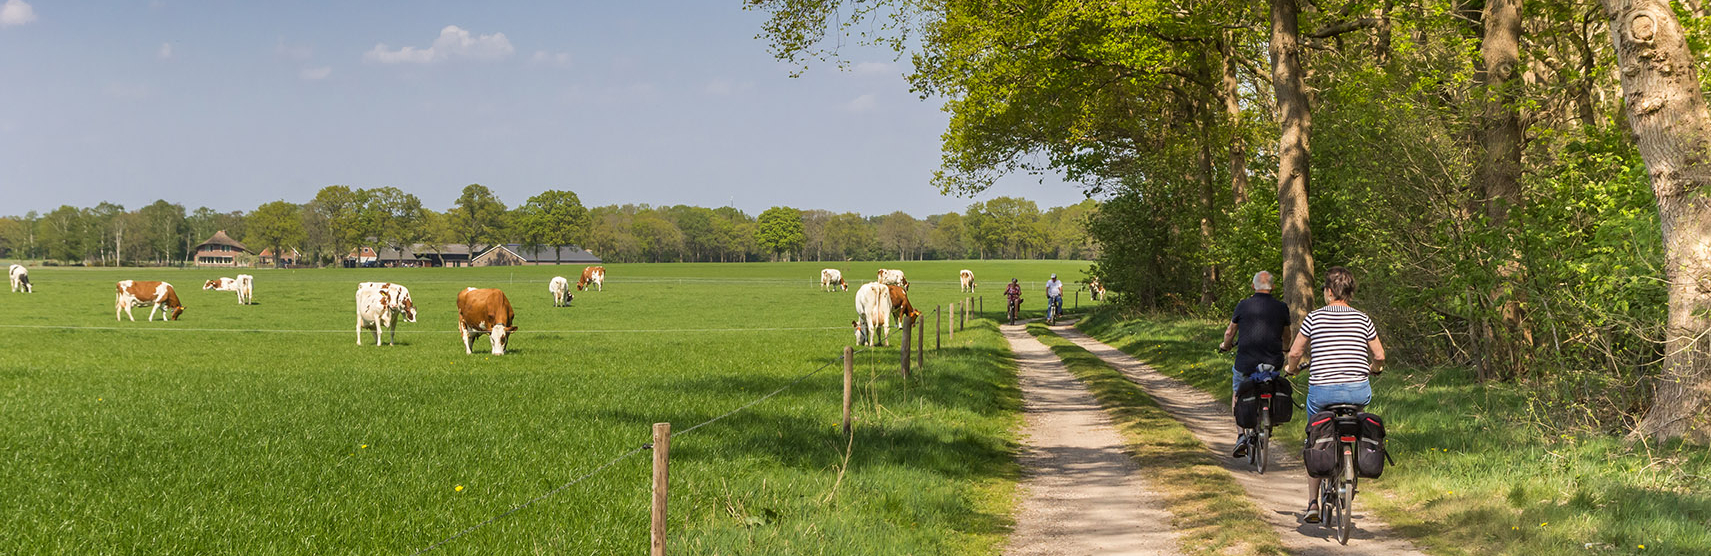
(1499, 178)
(1667, 113)
(1233, 119)
(1208, 207)
(1295, 120)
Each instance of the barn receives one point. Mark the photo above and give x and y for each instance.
(219, 250)
(514, 254)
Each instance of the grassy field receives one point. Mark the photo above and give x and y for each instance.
(1476, 473)
(264, 429)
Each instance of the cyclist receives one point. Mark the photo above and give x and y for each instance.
(1256, 331)
(1054, 297)
(1346, 354)
(1013, 292)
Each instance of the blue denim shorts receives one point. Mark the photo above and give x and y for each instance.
(1236, 378)
(1326, 394)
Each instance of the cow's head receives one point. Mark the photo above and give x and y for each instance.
(905, 284)
(845, 286)
(408, 309)
(861, 338)
(25, 280)
(501, 335)
(211, 284)
(179, 310)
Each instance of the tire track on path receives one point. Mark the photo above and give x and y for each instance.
(1281, 493)
(1083, 492)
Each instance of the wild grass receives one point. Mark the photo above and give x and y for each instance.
(1475, 472)
(1210, 510)
(265, 429)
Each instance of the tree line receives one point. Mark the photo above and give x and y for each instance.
(340, 219)
(1522, 187)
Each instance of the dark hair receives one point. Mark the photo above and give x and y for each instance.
(1341, 283)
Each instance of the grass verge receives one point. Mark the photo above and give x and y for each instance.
(1476, 472)
(1209, 509)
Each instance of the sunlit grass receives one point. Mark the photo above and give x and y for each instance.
(157, 438)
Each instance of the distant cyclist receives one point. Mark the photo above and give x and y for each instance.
(1013, 293)
(1256, 331)
(1054, 297)
(1346, 353)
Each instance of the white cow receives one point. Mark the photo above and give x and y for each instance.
(380, 304)
(873, 310)
(20, 279)
(893, 278)
(244, 284)
(560, 288)
(832, 277)
(967, 280)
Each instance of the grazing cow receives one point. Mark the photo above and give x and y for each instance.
(1096, 288)
(900, 306)
(244, 284)
(595, 275)
(560, 288)
(21, 279)
(873, 309)
(399, 298)
(967, 280)
(832, 277)
(157, 295)
(484, 311)
(893, 278)
(375, 307)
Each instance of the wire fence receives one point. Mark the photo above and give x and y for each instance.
(626, 455)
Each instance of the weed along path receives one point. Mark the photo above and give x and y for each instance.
(1083, 493)
(1281, 493)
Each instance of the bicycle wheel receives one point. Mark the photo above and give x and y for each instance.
(1346, 499)
(1262, 439)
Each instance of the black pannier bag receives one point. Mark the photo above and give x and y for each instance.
(1369, 450)
(1319, 453)
(1247, 404)
(1282, 400)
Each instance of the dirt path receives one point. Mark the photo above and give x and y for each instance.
(1083, 493)
(1281, 493)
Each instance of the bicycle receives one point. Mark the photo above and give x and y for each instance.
(1259, 437)
(1054, 308)
(1337, 493)
(1015, 307)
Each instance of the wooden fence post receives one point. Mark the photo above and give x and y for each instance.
(907, 328)
(938, 328)
(921, 346)
(662, 451)
(952, 334)
(849, 384)
(1077, 300)
(982, 306)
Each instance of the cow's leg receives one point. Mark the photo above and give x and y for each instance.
(392, 332)
(464, 331)
(152, 309)
(359, 330)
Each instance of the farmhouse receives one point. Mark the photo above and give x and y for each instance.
(219, 250)
(513, 254)
(290, 258)
(453, 254)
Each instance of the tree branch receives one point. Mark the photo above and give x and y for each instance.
(1342, 27)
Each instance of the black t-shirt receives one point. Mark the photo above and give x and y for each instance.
(1260, 322)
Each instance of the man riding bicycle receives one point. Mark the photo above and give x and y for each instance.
(1346, 354)
(1256, 331)
(1054, 298)
(1013, 293)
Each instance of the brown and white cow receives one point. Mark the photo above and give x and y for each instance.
(484, 311)
(378, 304)
(592, 276)
(967, 277)
(892, 277)
(1096, 288)
(20, 279)
(244, 285)
(833, 278)
(873, 311)
(157, 295)
(900, 306)
(399, 297)
(560, 288)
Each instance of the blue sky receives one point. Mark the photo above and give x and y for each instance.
(232, 104)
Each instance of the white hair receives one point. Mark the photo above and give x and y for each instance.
(1262, 281)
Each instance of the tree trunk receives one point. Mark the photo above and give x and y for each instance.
(1295, 120)
(1671, 124)
(1498, 178)
(1233, 118)
(1208, 207)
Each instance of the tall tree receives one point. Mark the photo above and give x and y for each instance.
(1667, 114)
(275, 225)
(1498, 176)
(899, 232)
(1294, 158)
(556, 218)
(779, 232)
(477, 218)
(393, 217)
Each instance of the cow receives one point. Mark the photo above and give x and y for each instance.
(832, 277)
(157, 295)
(398, 298)
(244, 285)
(20, 279)
(560, 288)
(900, 306)
(1096, 288)
(893, 278)
(375, 307)
(967, 277)
(592, 275)
(873, 309)
(484, 311)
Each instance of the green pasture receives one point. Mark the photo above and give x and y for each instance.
(1480, 468)
(265, 429)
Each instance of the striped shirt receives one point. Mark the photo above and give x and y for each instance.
(1337, 339)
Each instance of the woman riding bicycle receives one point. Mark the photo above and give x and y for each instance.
(1013, 292)
(1346, 353)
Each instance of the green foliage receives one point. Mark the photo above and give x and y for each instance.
(779, 231)
(555, 218)
(275, 225)
(477, 218)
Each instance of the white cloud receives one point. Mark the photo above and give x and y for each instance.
(16, 12)
(165, 51)
(315, 74)
(555, 59)
(870, 68)
(862, 103)
(453, 42)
